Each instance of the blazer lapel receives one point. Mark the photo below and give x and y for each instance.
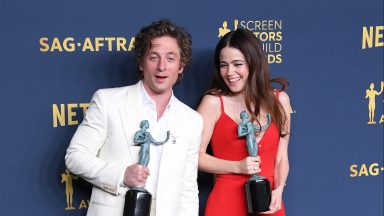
(130, 115)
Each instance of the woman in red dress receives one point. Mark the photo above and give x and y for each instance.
(241, 82)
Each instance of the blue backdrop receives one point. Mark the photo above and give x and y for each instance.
(55, 54)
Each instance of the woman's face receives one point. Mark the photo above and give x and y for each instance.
(234, 69)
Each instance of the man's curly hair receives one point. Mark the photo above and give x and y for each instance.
(163, 27)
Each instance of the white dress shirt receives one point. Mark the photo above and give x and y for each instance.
(158, 130)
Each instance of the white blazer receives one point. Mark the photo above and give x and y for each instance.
(102, 148)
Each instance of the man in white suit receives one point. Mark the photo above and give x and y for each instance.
(102, 150)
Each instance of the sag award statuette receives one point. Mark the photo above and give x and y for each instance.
(138, 199)
(257, 188)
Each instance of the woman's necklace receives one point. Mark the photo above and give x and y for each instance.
(263, 127)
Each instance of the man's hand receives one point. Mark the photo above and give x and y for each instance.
(136, 175)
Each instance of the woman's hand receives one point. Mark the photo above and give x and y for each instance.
(276, 199)
(249, 165)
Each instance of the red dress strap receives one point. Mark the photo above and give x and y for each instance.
(277, 93)
(221, 104)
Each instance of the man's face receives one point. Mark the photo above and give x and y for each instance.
(161, 66)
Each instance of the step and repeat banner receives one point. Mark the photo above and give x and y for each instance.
(55, 54)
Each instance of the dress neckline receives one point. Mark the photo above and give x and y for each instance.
(234, 122)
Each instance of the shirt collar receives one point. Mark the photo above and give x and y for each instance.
(147, 100)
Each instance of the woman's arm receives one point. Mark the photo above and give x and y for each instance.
(281, 161)
(209, 108)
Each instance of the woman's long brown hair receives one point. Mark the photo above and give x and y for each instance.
(258, 89)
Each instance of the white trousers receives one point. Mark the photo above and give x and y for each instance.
(153, 208)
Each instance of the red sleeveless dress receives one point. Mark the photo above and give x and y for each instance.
(228, 195)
